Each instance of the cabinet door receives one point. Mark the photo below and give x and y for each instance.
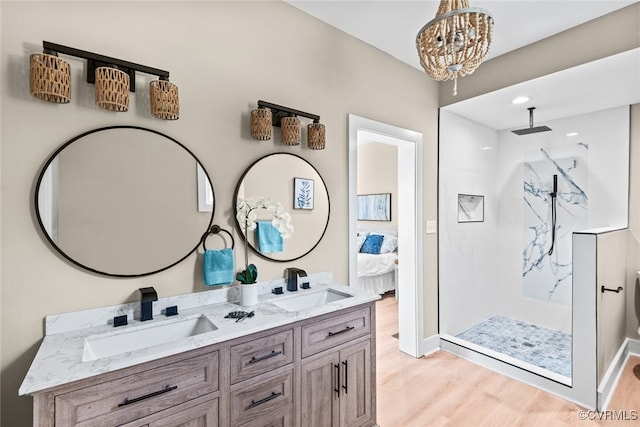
(355, 400)
(320, 391)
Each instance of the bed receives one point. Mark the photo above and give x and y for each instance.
(377, 264)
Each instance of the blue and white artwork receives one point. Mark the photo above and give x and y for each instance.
(302, 193)
(374, 207)
(546, 274)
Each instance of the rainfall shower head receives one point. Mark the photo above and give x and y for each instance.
(531, 129)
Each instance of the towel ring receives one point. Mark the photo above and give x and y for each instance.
(215, 229)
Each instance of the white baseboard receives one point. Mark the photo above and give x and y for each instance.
(612, 376)
(430, 345)
(634, 347)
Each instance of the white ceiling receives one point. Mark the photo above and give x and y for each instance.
(391, 26)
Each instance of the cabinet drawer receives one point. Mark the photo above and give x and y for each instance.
(135, 396)
(325, 334)
(279, 418)
(258, 400)
(261, 355)
(198, 412)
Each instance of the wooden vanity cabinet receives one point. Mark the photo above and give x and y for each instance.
(315, 372)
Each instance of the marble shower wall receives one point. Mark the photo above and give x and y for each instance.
(547, 276)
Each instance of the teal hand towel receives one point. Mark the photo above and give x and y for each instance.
(218, 267)
(269, 238)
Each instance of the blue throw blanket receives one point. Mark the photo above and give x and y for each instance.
(268, 237)
(218, 267)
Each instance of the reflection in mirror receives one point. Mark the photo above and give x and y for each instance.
(124, 201)
(297, 185)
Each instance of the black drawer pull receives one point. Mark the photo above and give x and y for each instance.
(255, 403)
(266, 356)
(337, 389)
(346, 329)
(166, 389)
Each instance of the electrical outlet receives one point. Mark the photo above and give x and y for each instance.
(431, 227)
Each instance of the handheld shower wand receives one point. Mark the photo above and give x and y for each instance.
(554, 195)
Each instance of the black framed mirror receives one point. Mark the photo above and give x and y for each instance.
(299, 187)
(124, 201)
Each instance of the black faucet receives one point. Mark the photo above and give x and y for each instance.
(147, 297)
(292, 278)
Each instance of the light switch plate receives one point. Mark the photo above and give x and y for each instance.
(431, 227)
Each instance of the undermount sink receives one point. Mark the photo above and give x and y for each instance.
(309, 299)
(144, 336)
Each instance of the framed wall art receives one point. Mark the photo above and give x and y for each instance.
(302, 193)
(374, 207)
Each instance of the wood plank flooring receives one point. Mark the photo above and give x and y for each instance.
(445, 390)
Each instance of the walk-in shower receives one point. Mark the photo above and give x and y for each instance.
(505, 282)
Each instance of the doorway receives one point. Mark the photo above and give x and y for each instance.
(410, 275)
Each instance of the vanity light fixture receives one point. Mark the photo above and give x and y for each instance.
(268, 115)
(50, 77)
(315, 136)
(114, 79)
(165, 103)
(261, 124)
(291, 134)
(112, 88)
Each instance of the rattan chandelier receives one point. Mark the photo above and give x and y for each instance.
(455, 42)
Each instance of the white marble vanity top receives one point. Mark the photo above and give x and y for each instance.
(59, 358)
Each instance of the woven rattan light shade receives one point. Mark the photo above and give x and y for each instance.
(261, 124)
(165, 103)
(315, 136)
(49, 78)
(291, 132)
(455, 42)
(112, 89)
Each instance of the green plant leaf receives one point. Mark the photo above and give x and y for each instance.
(248, 276)
(252, 273)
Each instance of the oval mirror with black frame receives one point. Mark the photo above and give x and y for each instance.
(124, 201)
(298, 186)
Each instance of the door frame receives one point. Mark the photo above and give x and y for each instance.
(410, 291)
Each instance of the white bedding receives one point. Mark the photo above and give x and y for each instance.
(375, 265)
(378, 284)
(376, 273)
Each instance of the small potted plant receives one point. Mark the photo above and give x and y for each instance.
(247, 216)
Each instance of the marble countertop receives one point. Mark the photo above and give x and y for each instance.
(59, 358)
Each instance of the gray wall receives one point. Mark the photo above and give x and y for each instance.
(223, 56)
(378, 173)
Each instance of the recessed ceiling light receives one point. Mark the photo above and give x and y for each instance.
(572, 134)
(520, 100)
